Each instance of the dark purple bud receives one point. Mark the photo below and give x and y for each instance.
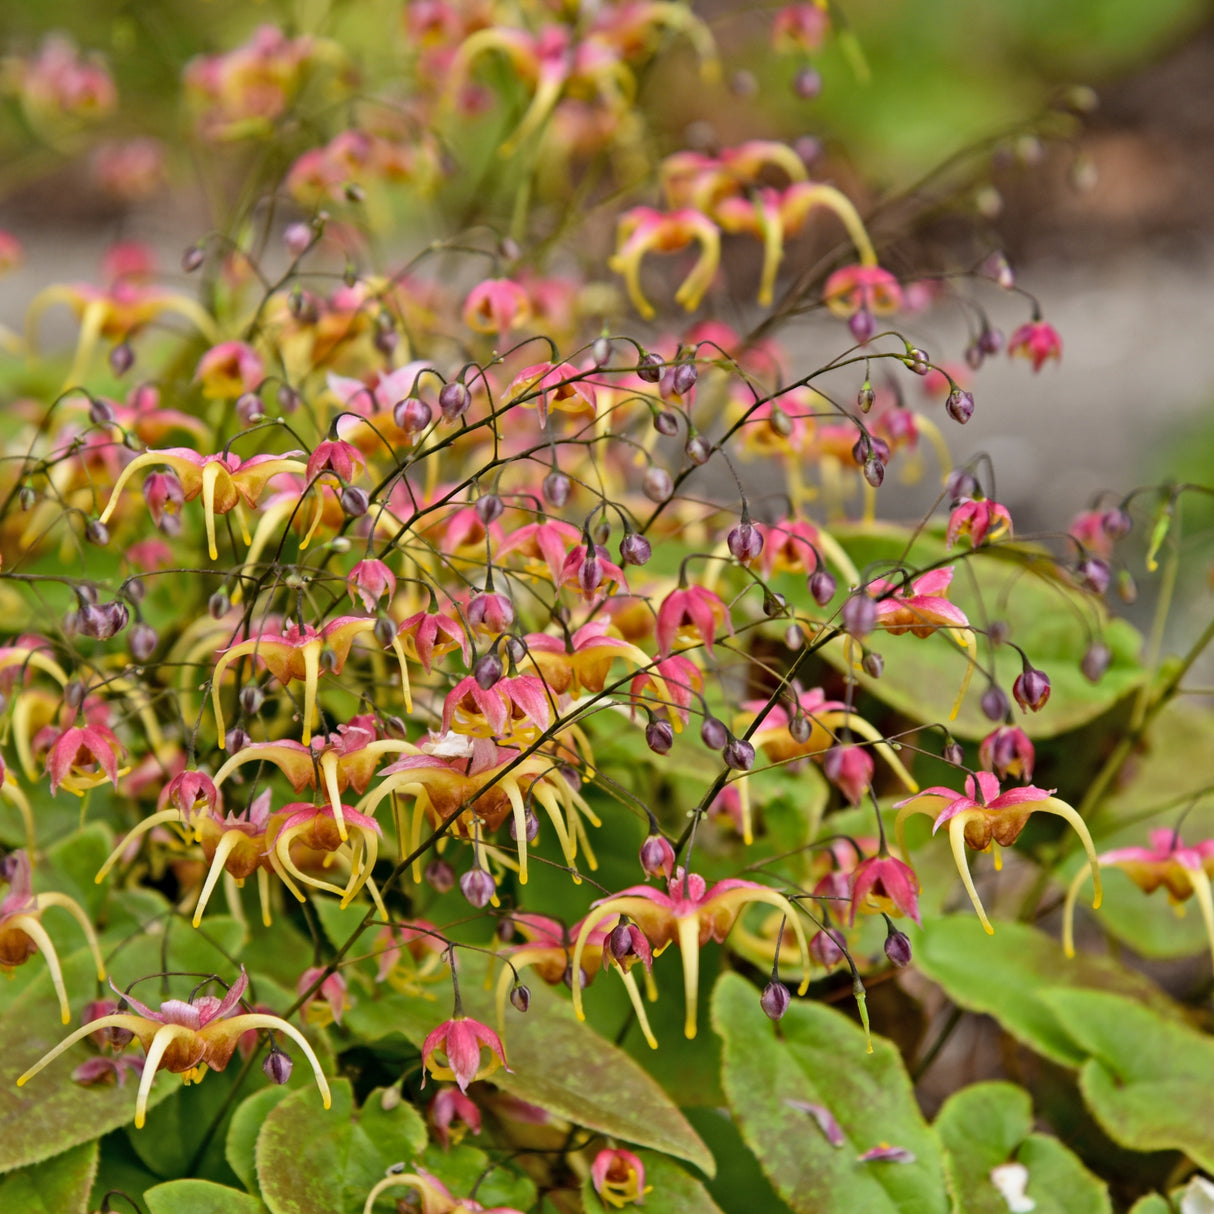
(649, 368)
(411, 415)
(440, 876)
(1096, 661)
(249, 408)
(478, 887)
(774, 604)
(866, 397)
(395, 728)
(1095, 574)
(1116, 523)
(354, 501)
(745, 542)
(666, 423)
(807, 83)
(635, 549)
(101, 413)
(997, 632)
(92, 622)
(822, 586)
(918, 361)
(794, 637)
(557, 488)
(142, 642)
(862, 325)
(134, 589)
(531, 827)
(697, 449)
(659, 736)
(251, 699)
(738, 754)
(713, 733)
(384, 630)
(990, 341)
(799, 729)
(960, 484)
(487, 671)
(684, 378)
(278, 1066)
(824, 949)
(859, 615)
(873, 664)
(869, 448)
(874, 472)
(898, 948)
(288, 399)
(1031, 689)
(515, 649)
(953, 753)
(657, 856)
(600, 352)
(520, 997)
(235, 740)
(453, 401)
(488, 508)
(87, 594)
(995, 704)
(775, 1000)
(619, 943)
(192, 259)
(657, 485)
(974, 356)
(590, 573)
(960, 405)
(74, 693)
(97, 533)
(386, 338)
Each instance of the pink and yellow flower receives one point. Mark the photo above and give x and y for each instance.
(644, 230)
(457, 1044)
(1037, 341)
(618, 1177)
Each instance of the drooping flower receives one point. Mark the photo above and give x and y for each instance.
(980, 519)
(618, 1177)
(885, 883)
(186, 1038)
(457, 1044)
(984, 816)
(82, 757)
(688, 615)
(230, 369)
(1036, 340)
(644, 230)
(433, 1197)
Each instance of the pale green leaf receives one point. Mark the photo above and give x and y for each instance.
(199, 1197)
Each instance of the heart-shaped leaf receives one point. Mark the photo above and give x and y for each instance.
(199, 1197)
(59, 1186)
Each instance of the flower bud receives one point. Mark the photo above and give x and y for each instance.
(354, 501)
(997, 632)
(297, 237)
(873, 664)
(516, 650)
(745, 542)
(713, 733)
(411, 415)
(1095, 574)
(583, 978)
(794, 637)
(454, 400)
(278, 1066)
(488, 508)
(738, 754)
(659, 736)
(778, 422)
(1031, 689)
(440, 876)
(1116, 523)
(824, 949)
(192, 259)
(520, 997)
(918, 361)
(74, 693)
(666, 423)
(874, 472)
(953, 753)
(251, 699)
(1008, 752)
(590, 573)
(101, 413)
(657, 856)
(960, 405)
(142, 642)
(478, 887)
(850, 769)
(822, 586)
(649, 368)
(1096, 661)
(657, 485)
(487, 671)
(774, 604)
(27, 498)
(994, 704)
(898, 948)
(697, 449)
(134, 590)
(556, 489)
(859, 615)
(635, 549)
(531, 827)
(97, 533)
(990, 341)
(384, 630)
(684, 378)
(866, 397)
(862, 325)
(960, 484)
(775, 1000)
(800, 728)
(619, 943)
(600, 352)
(235, 740)
(288, 399)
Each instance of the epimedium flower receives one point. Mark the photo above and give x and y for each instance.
(223, 479)
(984, 816)
(496, 306)
(688, 615)
(22, 933)
(864, 290)
(433, 1197)
(82, 757)
(980, 520)
(1184, 870)
(1037, 341)
(883, 883)
(690, 914)
(230, 369)
(553, 386)
(618, 1177)
(186, 1038)
(457, 1044)
(644, 230)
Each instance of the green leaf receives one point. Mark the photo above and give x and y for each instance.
(556, 1063)
(1152, 1203)
(241, 1144)
(817, 1055)
(674, 1191)
(199, 1197)
(51, 1112)
(1005, 976)
(990, 1124)
(1147, 1079)
(1047, 617)
(72, 863)
(59, 1186)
